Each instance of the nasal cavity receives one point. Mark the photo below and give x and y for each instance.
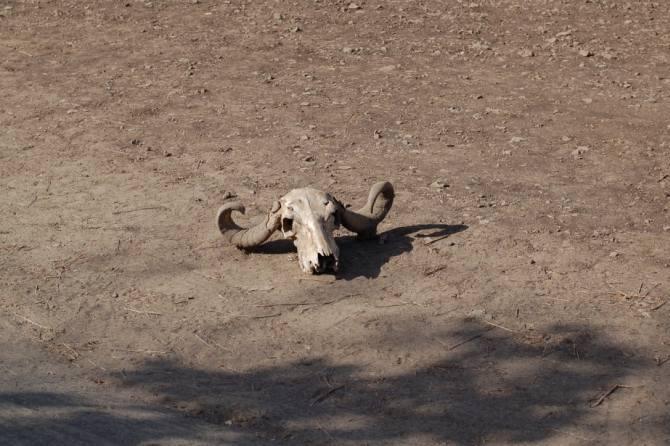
(325, 262)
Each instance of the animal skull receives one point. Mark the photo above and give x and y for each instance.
(308, 217)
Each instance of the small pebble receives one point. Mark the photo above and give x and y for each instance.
(439, 184)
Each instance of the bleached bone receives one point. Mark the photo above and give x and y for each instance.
(308, 217)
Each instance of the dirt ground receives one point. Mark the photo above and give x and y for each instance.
(517, 293)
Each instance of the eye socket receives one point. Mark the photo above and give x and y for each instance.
(287, 224)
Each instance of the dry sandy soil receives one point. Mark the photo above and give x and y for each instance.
(519, 301)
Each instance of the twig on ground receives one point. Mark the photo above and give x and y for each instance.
(660, 361)
(499, 326)
(326, 394)
(150, 352)
(604, 396)
(148, 208)
(393, 305)
(431, 241)
(471, 338)
(152, 313)
(202, 340)
(207, 276)
(30, 321)
(339, 299)
(302, 304)
(658, 306)
(264, 316)
(254, 289)
(650, 290)
(431, 271)
(198, 248)
(312, 279)
(639, 294)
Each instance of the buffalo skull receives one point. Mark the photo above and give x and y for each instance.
(308, 217)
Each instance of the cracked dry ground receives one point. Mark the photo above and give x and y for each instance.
(516, 296)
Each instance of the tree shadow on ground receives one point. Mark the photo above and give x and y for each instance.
(31, 418)
(487, 386)
(365, 258)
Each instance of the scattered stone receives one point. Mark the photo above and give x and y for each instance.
(349, 50)
(526, 53)
(516, 139)
(295, 29)
(579, 151)
(308, 159)
(353, 7)
(440, 183)
(277, 16)
(587, 100)
(614, 254)
(135, 142)
(585, 53)
(377, 134)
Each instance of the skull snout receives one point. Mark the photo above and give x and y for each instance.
(325, 263)
(322, 263)
(320, 257)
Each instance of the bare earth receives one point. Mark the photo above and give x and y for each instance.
(521, 300)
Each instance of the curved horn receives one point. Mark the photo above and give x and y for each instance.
(364, 221)
(246, 238)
